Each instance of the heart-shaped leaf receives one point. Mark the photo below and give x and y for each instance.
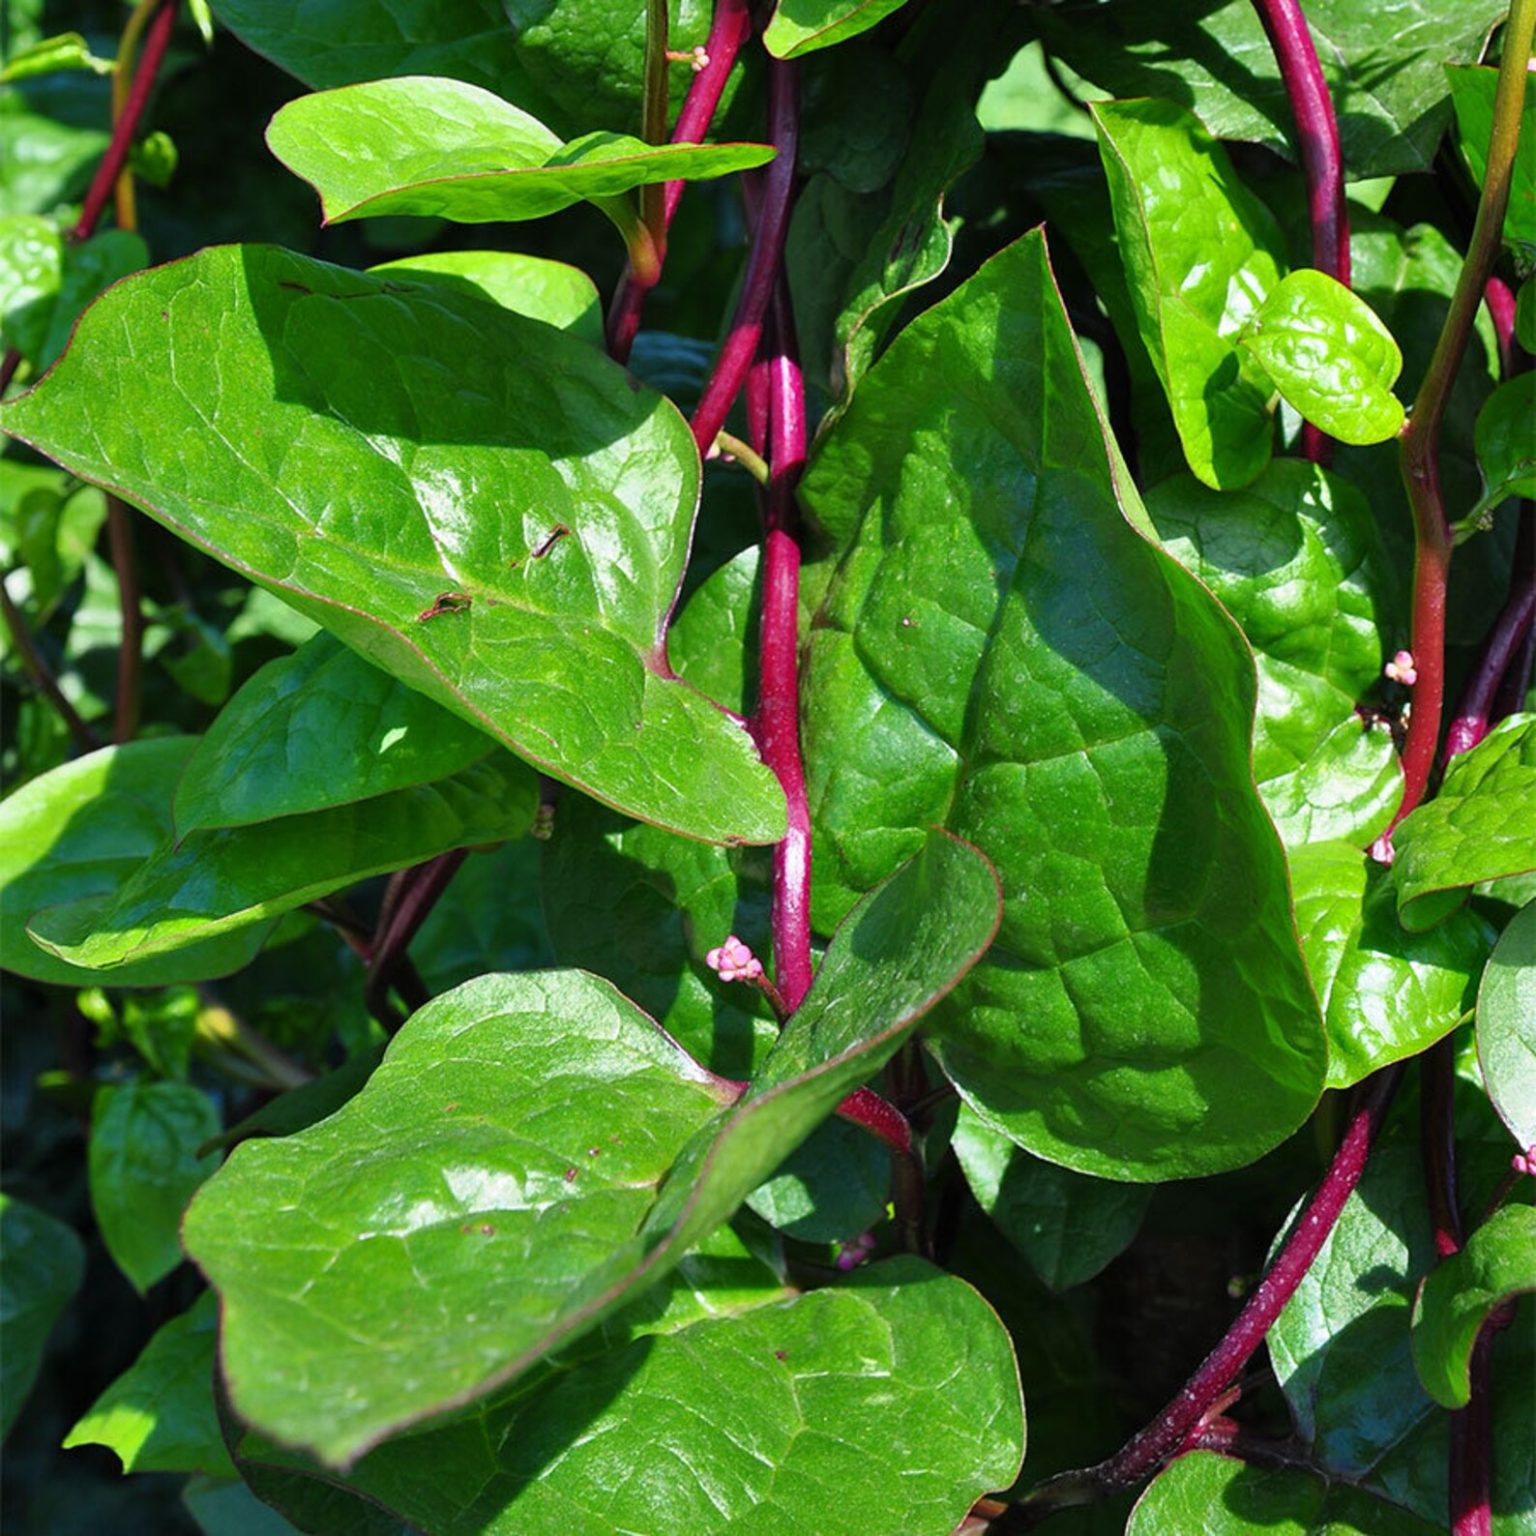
(802, 26)
(1506, 1044)
(44, 1263)
(482, 505)
(1003, 652)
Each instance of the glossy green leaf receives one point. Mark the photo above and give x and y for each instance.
(79, 833)
(1472, 92)
(551, 291)
(337, 469)
(1329, 356)
(31, 260)
(44, 162)
(44, 1262)
(158, 1416)
(219, 881)
(1295, 558)
(802, 26)
(1479, 827)
(1226, 1496)
(713, 643)
(1497, 1265)
(835, 1185)
(1097, 751)
(1506, 441)
(807, 1398)
(1067, 1225)
(1382, 67)
(1506, 1043)
(1202, 254)
(470, 1194)
(449, 150)
(144, 1167)
(314, 730)
(1386, 993)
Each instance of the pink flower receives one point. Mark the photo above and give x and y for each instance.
(734, 961)
(1402, 670)
(1382, 850)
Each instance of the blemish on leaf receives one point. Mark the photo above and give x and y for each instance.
(284, 282)
(445, 602)
(555, 534)
(570, 1175)
(487, 1230)
(778, 1354)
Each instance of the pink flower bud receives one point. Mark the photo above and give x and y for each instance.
(1402, 670)
(734, 961)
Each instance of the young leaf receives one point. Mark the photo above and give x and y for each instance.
(482, 505)
(1097, 750)
(1479, 827)
(531, 1154)
(44, 1262)
(158, 1416)
(1329, 356)
(318, 729)
(799, 27)
(1497, 1265)
(66, 50)
(1506, 1047)
(220, 881)
(448, 150)
(1506, 442)
(1201, 254)
(78, 834)
(144, 1167)
(1472, 92)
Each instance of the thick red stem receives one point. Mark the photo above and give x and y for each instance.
(1505, 644)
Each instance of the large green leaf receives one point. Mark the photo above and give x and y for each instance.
(44, 1262)
(444, 149)
(1497, 1265)
(159, 1416)
(531, 1154)
(1479, 827)
(1506, 1045)
(219, 881)
(482, 505)
(1004, 653)
(1201, 253)
(318, 729)
(802, 26)
(1473, 87)
(763, 1419)
(1295, 558)
(79, 833)
(1386, 993)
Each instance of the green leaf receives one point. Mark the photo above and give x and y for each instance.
(1225, 1496)
(1329, 356)
(1201, 253)
(1525, 315)
(144, 1167)
(79, 834)
(448, 150)
(219, 881)
(551, 291)
(1067, 1225)
(45, 162)
(1295, 558)
(1004, 653)
(301, 1107)
(158, 1416)
(799, 27)
(531, 1154)
(1506, 1048)
(833, 1186)
(318, 729)
(1472, 92)
(1479, 827)
(1497, 1265)
(44, 1262)
(1506, 444)
(713, 643)
(1386, 994)
(225, 1508)
(31, 261)
(67, 50)
(337, 469)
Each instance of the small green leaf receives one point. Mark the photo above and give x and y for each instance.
(144, 1167)
(202, 18)
(215, 882)
(1201, 254)
(159, 1416)
(1525, 315)
(1506, 1045)
(44, 1262)
(444, 149)
(315, 730)
(154, 159)
(1329, 356)
(68, 50)
(799, 27)
(1472, 91)
(1506, 442)
(1497, 1265)
(1479, 827)
(1386, 994)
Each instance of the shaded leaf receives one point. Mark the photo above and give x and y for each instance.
(1472, 91)
(833, 1186)
(1506, 442)
(301, 1107)
(801, 26)
(1506, 1045)
(44, 1262)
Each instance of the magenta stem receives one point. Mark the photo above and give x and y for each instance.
(414, 899)
(1470, 1468)
(1437, 1143)
(1505, 644)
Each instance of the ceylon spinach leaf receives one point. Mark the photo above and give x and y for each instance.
(802, 26)
(1473, 87)
(44, 1263)
(1506, 1046)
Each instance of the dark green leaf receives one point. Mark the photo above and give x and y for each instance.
(541, 625)
(1525, 315)
(225, 1508)
(318, 729)
(1506, 1046)
(90, 268)
(158, 1416)
(43, 1265)
(801, 26)
(78, 834)
(1202, 253)
(1506, 441)
(1472, 92)
(1329, 356)
(1003, 652)
(301, 1107)
(144, 1168)
(1479, 827)
(714, 641)
(833, 1186)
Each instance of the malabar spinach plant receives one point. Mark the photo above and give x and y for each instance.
(820, 733)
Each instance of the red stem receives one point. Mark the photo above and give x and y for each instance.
(414, 900)
(1437, 1143)
(84, 738)
(1471, 1458)
(1505, 643)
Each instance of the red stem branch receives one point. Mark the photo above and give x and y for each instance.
(414, 899)
(1437, 1143)
(1505, 644)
